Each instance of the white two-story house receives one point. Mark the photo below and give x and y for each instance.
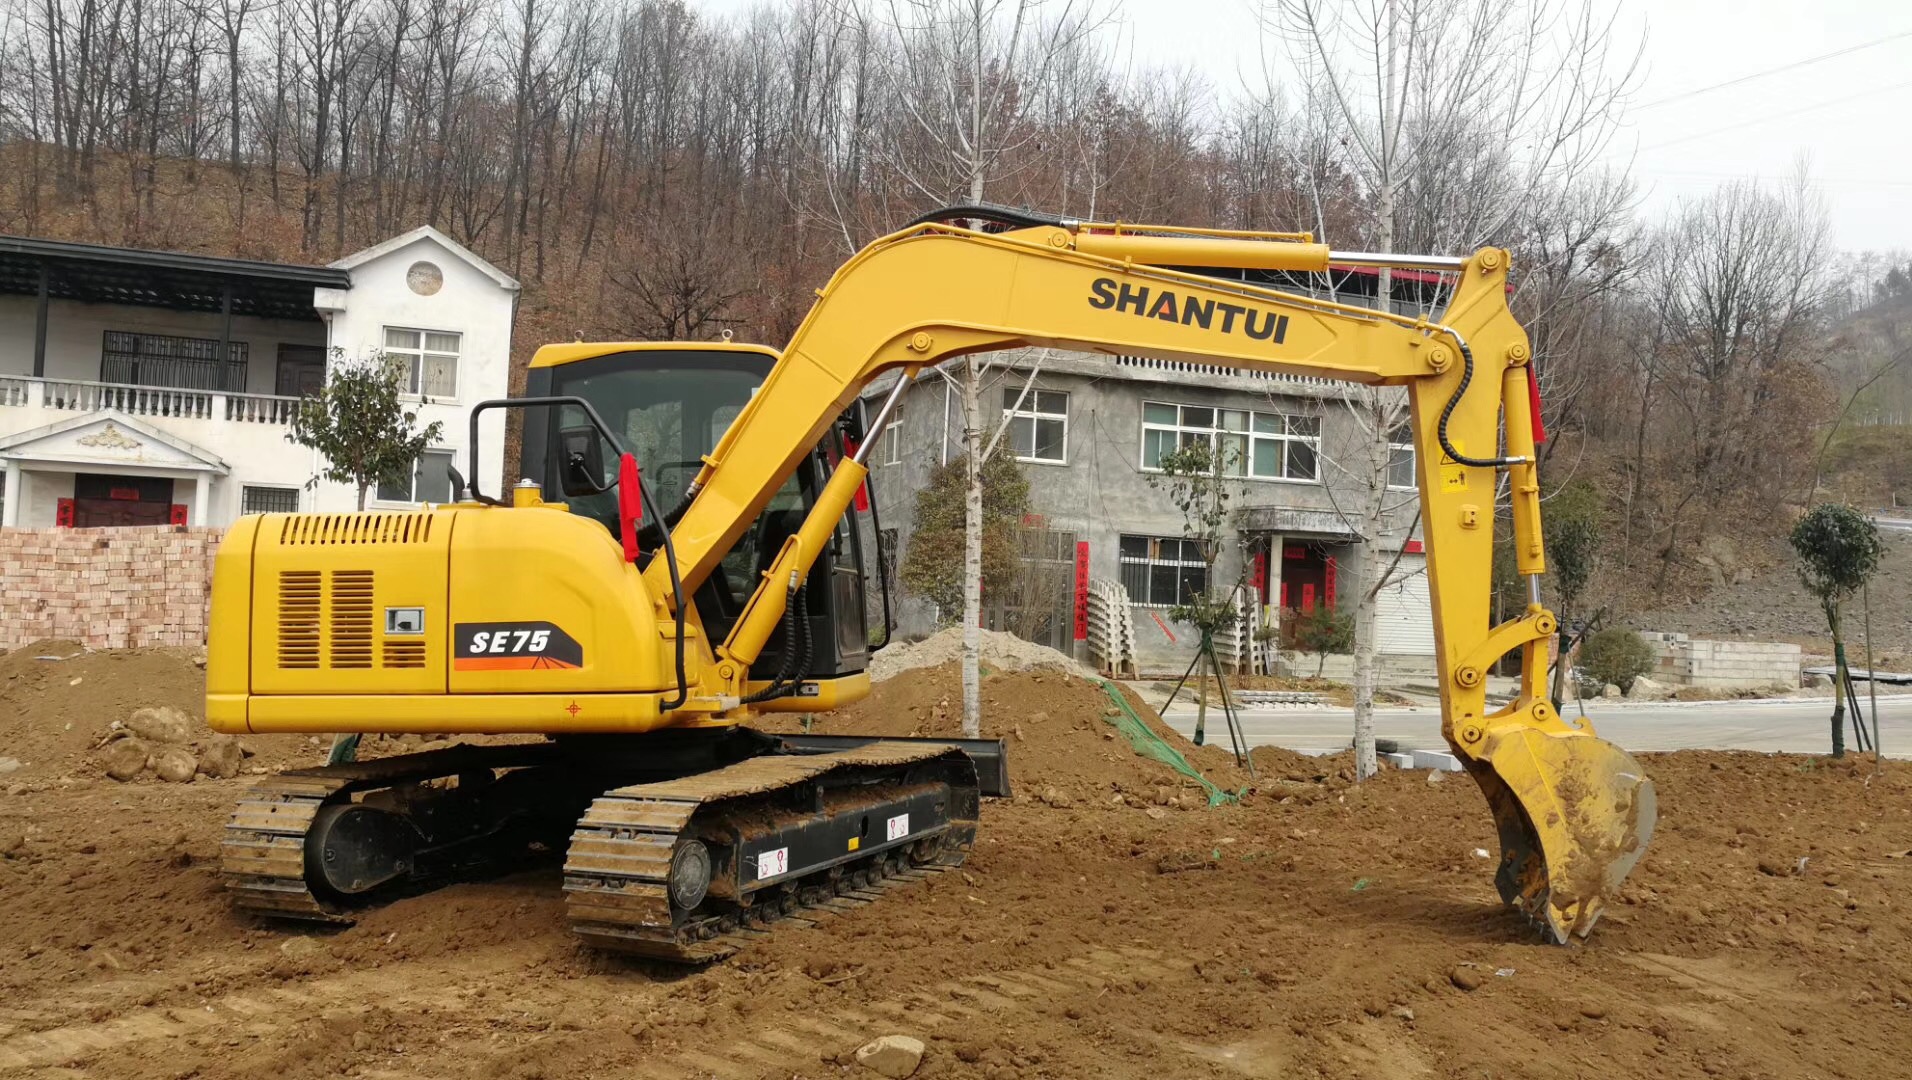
(143, 387)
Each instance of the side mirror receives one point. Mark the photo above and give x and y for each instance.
(582, 472)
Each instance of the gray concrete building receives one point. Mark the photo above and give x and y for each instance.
(1089, 432)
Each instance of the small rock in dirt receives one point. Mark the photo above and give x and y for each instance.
(13, 844)
(1775, 868)
(301, 947)
(1436, 776)
(1156, 813)
(1610, 691)
(174, 765)
(163, 724)
(894, 1056)
(220, 757)
(10, 764)
(1593, 1010)
(1402, 1012)
(1565, 1021)
(1056, 798)
(126, 758)
(1465, 978)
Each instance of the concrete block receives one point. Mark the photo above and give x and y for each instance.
(1435, 759)
(1400, 761)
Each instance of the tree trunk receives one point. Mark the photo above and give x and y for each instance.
(1201, 692)
(362, 489)
(1366, 566)
(1838, 689)
(1564, 637)
(972, 549)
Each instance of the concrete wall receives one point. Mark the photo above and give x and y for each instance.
(471, 304)
(1101, 492)
(106, 588)
(1724, 665)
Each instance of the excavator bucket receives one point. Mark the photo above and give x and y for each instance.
(1574, 813)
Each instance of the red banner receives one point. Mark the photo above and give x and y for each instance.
(1082, 591)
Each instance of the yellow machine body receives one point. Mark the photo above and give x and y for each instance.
(301, 641)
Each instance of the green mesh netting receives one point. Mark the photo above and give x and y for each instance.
(1147, 743)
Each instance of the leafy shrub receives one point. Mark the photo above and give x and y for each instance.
(1322, 631)
(1616, 655)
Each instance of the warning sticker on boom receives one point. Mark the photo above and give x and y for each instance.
(513, 646)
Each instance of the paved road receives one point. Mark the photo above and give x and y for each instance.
(1794, 726)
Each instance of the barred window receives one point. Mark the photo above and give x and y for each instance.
(429, 359)
(179, 363)
(1162, 571)
(1254, 445)
(268, 500)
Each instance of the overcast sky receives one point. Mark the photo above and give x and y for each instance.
(1848, 113)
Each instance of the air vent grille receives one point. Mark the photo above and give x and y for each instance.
(299, 601)
(408, 653)
(351, 619)
(315, 529)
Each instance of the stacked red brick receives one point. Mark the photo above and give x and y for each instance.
(106, 588)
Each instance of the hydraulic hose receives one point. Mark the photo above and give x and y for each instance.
(1467, 376)
(792, 603)
(1002, 215)
(677, 597)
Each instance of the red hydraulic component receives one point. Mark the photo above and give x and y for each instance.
(1533, 399)
(629, 507)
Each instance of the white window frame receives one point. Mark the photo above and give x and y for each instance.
(414, 359)
(1154, 559)
(1254, 427)
(1401, 441)
(1029, 408)
(448, 452)
(297, 497)
(891, 452)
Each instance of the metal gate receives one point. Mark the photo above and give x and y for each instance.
(1039, 604)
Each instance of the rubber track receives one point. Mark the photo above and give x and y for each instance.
(616, 870)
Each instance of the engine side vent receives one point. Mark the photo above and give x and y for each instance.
(299, 618)
(404, 653)
(351, 619)
(401, 528)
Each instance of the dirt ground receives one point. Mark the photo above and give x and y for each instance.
(1317, 929)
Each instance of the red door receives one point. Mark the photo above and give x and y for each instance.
(100, 500)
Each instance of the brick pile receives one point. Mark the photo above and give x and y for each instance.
(112, 588)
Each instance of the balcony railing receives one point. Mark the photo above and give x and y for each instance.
(79, 395)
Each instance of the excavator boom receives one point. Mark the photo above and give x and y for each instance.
(1574, 813)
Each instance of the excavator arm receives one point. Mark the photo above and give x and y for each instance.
(1574, 813)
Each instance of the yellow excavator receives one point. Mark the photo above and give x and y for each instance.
(637, 641)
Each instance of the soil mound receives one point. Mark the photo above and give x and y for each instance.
(1000, 651)
(67, 709)
(1062, 743)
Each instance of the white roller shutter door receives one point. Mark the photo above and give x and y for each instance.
(1404, 619)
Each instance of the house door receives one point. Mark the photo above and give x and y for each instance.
(100, 500)
(301, 370)
(1307, 577)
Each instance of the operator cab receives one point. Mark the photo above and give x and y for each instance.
(670, 403)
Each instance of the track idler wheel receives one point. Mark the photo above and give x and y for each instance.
(352, 848)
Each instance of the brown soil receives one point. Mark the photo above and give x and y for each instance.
(1318, 929)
